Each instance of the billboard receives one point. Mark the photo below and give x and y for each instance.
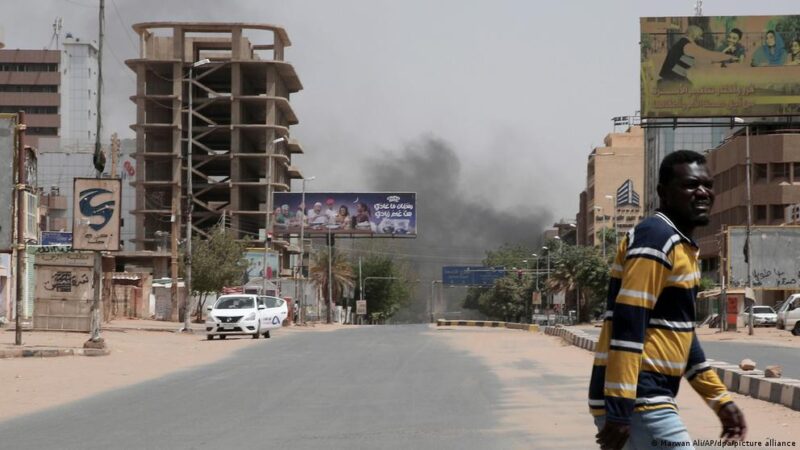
(774, 257)
(721, 66)
(376, 214)
(471, 275)
(95, 214)
(255, 264)
(7, 182)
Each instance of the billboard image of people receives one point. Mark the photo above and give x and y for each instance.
(721, 66)
(368, 214)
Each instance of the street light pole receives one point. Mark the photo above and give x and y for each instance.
(602, 233)
(301, 314)
(613, 198)
(189, 197)
(430, 302)
(268, 221)
(748, 166)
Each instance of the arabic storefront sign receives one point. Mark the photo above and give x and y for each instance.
(364, 213)
(95, 214)
(720, 66)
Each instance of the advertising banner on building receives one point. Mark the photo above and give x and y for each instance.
(95, 214)
(255, 264)
(471, 275)
(721, 66)
(365, 213)
(7, 124)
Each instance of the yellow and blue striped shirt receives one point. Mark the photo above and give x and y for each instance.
(648, 342)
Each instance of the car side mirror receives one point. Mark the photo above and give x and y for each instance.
(209, 308)
(261, 307)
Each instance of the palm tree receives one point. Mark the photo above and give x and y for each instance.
(341, 274)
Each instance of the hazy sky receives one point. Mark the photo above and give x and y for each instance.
(519, 90)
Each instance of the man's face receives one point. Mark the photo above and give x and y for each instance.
(733, 38)
(689, 195)
(770, 40)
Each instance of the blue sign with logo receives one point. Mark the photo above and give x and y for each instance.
(471, 275)
(56, 238)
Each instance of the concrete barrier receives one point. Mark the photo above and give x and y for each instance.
(782, 391)
(487, 323)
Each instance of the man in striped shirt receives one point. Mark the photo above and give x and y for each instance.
(648, 342)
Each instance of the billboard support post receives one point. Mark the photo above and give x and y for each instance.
(20, 225)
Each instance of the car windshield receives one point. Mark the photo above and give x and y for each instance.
(273, 302)
(235, 303)
(762, 310)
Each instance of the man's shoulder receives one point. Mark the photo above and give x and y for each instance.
(652, 232)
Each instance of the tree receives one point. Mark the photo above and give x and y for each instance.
(581, 268)
(217, 261)
(505, 300)
(386, 287)
(341, 274)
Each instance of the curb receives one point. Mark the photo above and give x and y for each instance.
(752, 383)
(487, 324)
(52, 352)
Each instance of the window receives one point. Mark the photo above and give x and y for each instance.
(759, 173)
(777, 213)
(780, 172)
(28, 88)
(760, 212)
(796, 171)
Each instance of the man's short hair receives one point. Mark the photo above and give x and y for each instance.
(738, 32)
(666, 172)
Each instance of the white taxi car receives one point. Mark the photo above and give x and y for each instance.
(242, 314)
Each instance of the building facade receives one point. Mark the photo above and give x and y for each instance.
(775, 156)
(614, 178)
(30, 81)
(238, 128)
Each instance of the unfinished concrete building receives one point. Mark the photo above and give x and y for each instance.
(239, 106)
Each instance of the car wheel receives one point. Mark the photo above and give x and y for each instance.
(796, 329)
(257, 334)
(266, 334)
(222, 336)
(209, 337)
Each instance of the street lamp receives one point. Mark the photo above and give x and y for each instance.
(301, 313)
(189, 196)
(613, 198)
(549, 300)
(748, 166)
(602, 237)
(433, 291)
(268, 221)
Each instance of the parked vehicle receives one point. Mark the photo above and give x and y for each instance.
(763, 316)
(789, 314)
(243, 314)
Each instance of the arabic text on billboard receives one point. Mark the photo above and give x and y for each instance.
(471, 275)
(371, 214)
(721, 66)
(773, 257)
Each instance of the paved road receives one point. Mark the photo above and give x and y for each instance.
(391, 387)
(733, 352)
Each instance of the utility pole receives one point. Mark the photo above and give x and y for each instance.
(21, 185)
(330, 274)
(114, 156)
(95, 340)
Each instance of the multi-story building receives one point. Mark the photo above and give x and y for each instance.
(614, 175)
(29, 81)
(58, 91)
(775, 156)
(662, 137)
(240, 111)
